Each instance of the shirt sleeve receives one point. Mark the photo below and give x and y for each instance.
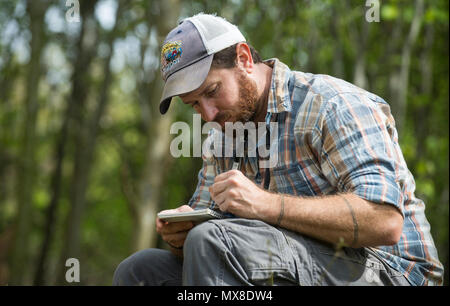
(358, 148)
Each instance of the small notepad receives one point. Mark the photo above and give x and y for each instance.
(195, 215)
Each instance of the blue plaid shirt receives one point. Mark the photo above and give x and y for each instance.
(334, 137)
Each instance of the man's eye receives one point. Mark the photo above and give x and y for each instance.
(212, 92)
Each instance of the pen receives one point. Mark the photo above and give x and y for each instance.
(236, 163)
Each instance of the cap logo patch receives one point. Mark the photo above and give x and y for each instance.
(170, 55)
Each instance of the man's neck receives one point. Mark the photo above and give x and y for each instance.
(266, 79)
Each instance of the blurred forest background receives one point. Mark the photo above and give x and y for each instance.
(84, 152)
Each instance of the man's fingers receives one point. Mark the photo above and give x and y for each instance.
(176, 239)
(219, 199)
(176, 227)
(225, 175)
(224, 181)
(162, 226)
(217, 188)
(184, 208)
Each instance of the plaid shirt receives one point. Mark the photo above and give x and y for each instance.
(334, 137)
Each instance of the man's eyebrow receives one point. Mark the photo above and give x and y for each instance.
(202, 92)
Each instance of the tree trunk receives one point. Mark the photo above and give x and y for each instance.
(359, 76)
(422, 122)
(86, 46)
(9, 72)
(402, 79)
(389, 54)
(151, 180)
(55, 191)
(7, 75)
(26, 159)
(338, 58)
(359, 39)
(5, 245)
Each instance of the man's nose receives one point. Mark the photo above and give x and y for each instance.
(209, 112)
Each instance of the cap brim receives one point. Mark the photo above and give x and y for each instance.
(185, 80)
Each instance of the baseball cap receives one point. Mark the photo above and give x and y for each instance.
(188, 51)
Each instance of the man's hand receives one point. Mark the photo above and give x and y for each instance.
(236, 194)
(174, 233)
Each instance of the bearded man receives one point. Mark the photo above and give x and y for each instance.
(337, 208)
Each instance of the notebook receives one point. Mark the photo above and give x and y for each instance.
(194, 215)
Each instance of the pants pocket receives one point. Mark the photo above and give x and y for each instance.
(271, 277)
(262, 252)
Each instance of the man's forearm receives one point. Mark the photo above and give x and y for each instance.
(337, 218)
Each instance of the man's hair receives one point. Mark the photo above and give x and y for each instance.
(227, 57)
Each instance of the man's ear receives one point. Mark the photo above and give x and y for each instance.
(244, 59)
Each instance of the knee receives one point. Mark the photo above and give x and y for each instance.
(128, 271)
(202, 238)
(124, 271)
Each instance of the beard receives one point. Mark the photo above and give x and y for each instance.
(247, 105)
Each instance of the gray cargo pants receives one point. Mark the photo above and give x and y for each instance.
(251, 252)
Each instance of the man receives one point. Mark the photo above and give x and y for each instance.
(337, 208)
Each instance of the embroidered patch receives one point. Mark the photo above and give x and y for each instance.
(170, 55)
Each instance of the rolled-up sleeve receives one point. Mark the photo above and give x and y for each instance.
(358, 149)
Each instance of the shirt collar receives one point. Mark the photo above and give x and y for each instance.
(279, 99)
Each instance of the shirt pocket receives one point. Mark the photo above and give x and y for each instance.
(292, 179)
